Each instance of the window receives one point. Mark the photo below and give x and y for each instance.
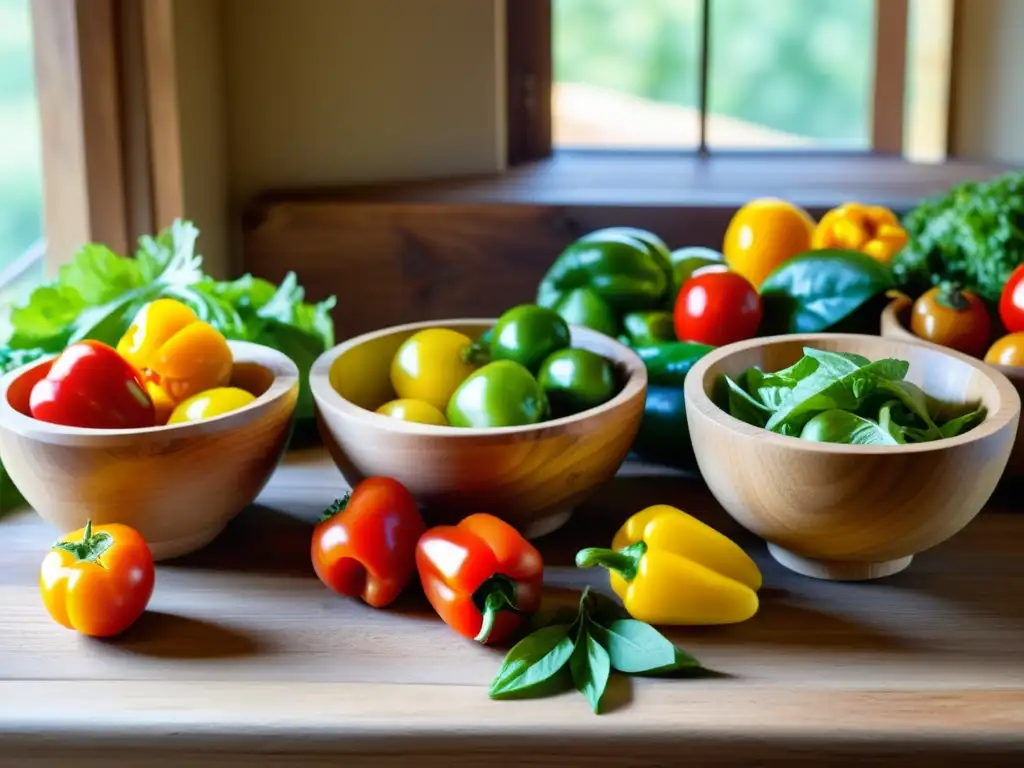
(803, 75)
(21, 193)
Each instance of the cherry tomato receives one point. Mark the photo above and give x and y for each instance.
(90, 385)
(413, 410)
(212, 402)
(1011, 302)
(430, 365)
(717, 308)
(1009, 350)
(98, 580)
(952, 317)
(365, 544)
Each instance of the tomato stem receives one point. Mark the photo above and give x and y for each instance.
(495, 595)
(951, 296)
(337, 507)
(625, 561)
(89, 549)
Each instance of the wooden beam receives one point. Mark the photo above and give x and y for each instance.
(891, 25)
(529, 74)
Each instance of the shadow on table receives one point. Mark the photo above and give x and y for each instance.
(171, 636)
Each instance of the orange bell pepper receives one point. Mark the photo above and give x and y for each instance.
(870, 229)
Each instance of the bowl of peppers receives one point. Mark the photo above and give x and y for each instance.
(523, 416)
(172, 432)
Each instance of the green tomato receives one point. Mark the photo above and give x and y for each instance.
(585, 307)
(501, 394)
(527, 334)
(687, 261)
(655, 245)
(577, 379)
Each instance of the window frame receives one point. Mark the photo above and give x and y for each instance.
(529, 75)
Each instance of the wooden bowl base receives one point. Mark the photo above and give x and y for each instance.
(838, 570)
(186, 545)
(549, 523)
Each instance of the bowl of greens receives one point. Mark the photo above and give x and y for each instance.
(847, 453)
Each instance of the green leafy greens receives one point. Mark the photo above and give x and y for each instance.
(582, 650)
(98, 293)
(973, 235)
(835, 397)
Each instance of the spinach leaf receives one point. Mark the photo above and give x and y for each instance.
(837, 426)
(886, 422)
(744, 407)
(913, 398)
(963, 423)
(813, 291)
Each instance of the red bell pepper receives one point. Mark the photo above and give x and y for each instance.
(481, 576)
(365, 544)
(91, 385)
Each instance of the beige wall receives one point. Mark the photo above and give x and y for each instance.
(324, 92)
(988, 122)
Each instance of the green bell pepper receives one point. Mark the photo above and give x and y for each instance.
(654, 243)
(664, 437)
(643, 328)
(583, 306)
(622, 270)
(527, 334)
(667, 364)
(501, 394)
(577, 379)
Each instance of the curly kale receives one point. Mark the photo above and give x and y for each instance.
(973, 234)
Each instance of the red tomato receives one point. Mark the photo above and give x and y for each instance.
(92, 386)
(365, 544)
(98, 580)
(1011, 302)
(717, 308)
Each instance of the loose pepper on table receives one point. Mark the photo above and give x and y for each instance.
(652, 327)
(365, 543)
(870, 229)
(624, 271)
(668, 363)
(670, 568)
(481, 576)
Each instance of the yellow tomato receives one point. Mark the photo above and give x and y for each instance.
(193, 360)
(413, 410)
(430, 365)
(213, 402)
(1009, 350)
(764, 234)
(870, 229)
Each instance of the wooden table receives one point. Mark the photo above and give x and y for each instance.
(244, 656)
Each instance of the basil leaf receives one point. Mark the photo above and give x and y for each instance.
(743, 407)
(962, 424)
(913, 398)
(634, 646)
(590, 667)
(681, 662)
(813, 291)
(837, 426)
(885, 421)
(533, 661)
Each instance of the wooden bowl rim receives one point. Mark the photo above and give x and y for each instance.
(891, 321)
(283, 368)
(326, 396)
(695, 395)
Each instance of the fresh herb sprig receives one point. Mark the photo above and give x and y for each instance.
(583, 650)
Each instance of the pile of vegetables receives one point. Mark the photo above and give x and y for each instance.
(839, 397)
(97, 295)
(522, 371)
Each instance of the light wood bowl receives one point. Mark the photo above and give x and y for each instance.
(847, 512)
(532, 476)
(177, 485)
(896, 325)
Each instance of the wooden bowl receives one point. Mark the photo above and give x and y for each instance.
(532, 476)
(177, 485)
(851, 512)
(896, 325)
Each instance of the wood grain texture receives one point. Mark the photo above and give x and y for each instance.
(532, 476)
(177, 485)
(852, 511)
(896, 325)
(245, 658)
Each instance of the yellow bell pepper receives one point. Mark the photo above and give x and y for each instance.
(870, 229)
(668, 567)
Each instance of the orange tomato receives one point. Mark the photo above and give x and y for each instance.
(1008, 350)
(764, 234)
(952, 317)
(97, 580)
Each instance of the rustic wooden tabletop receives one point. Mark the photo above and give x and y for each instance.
(245, 657)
